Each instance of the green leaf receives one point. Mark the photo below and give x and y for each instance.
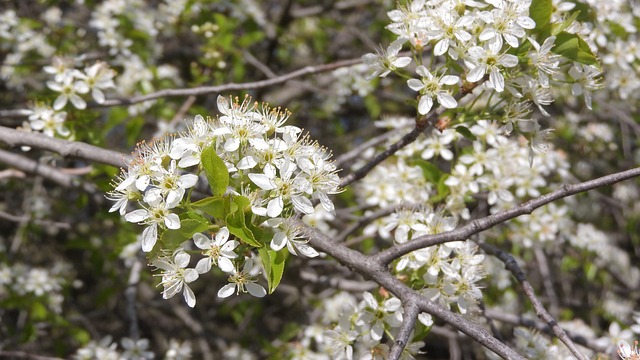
(573, 47)
(540, 12)
(236, 222)
(213, 206)
(464, 131)
(430, 171)
(273, 263)
(188, 227)
(215, 170)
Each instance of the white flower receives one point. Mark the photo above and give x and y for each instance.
(509, 19)
(430, 87)
(68, 90)
(378, 316)
(287, 233)
(244, 280)
(136, 349)
(218, 251)
(544, 60)
(97, 77)
(489, 60)
(176, 276)
(386, 61)
(154, 216)
(587, 78)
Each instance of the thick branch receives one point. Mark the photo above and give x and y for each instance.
(367, 266)
(478, 225)
(27, 165)
(80, 150)
(511, 265)
(409, 317)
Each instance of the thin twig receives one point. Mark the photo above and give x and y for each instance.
(409, 317)
(547, 281)
(358, 150)
(502, 316)
(24, 218)
(479, 225)
(27, 165)
(511, 265)
(77, 149)
(130, 295)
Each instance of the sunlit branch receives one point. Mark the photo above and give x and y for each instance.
(409, 318)
(479, 225)
(76, 149)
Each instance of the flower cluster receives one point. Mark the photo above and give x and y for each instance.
(352, 329)
(493, 45)
(260, 172)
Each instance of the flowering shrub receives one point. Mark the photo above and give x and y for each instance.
(477, 194)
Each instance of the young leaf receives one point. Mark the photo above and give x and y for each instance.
(573, 47)
(273, 263)
(215, 170)
(173, 238)
(540, 12)
(236, 222)
(464, 131)
(213, 206)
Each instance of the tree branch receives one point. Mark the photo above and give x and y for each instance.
(27, 165)
(511, 265)
(409, 317)
(80, 150)
(375, 270)
(478, 225)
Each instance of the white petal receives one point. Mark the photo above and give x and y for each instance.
(204, 265)
(376, 331)
(497, 80)
(402, 61)
(142, 182)
(149, 237)
(279, 241)
(476, 73)
(189, 297)
(263, 181)
(182, 259)
(441, 47)
(225, 265)
(306, 250)
(137, 216)
(247, 162)
(275, 206)
(302, 204)
(172, 221)
(449, 80)
(60, 102)
(447, 100)
(190, 275)
(256, 290)
(508, 60)
(425, 104)
(415, 84)
(232, 144)
(202, 241)
(222, 236)
(227, 290)
(188, 180)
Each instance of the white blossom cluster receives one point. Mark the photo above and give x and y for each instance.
(350, 329)
(274, 166)
(481, 37)
(36, 282)
(70, 84)
(132, 349)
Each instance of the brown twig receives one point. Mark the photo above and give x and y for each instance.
(479, 225)
(80, 150)
(409, 318)
(511, 265)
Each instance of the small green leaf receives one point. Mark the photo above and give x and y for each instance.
(273, 263)
(573, 47)
(213, 206)
(188, 227)
(236, 222)
(215, 170)
(540, 12)
(464, 131)
(430, 171)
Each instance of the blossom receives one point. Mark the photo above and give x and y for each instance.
(286, 232)
(176, 276)
(587, 79)
(386, 61)
(509, 20)
(482, 60)
(243, 281)
(377, 316)
(69, 90)
(97, 78)
(156, 215)
(430, 86)
(544, 60)
(217, 251)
